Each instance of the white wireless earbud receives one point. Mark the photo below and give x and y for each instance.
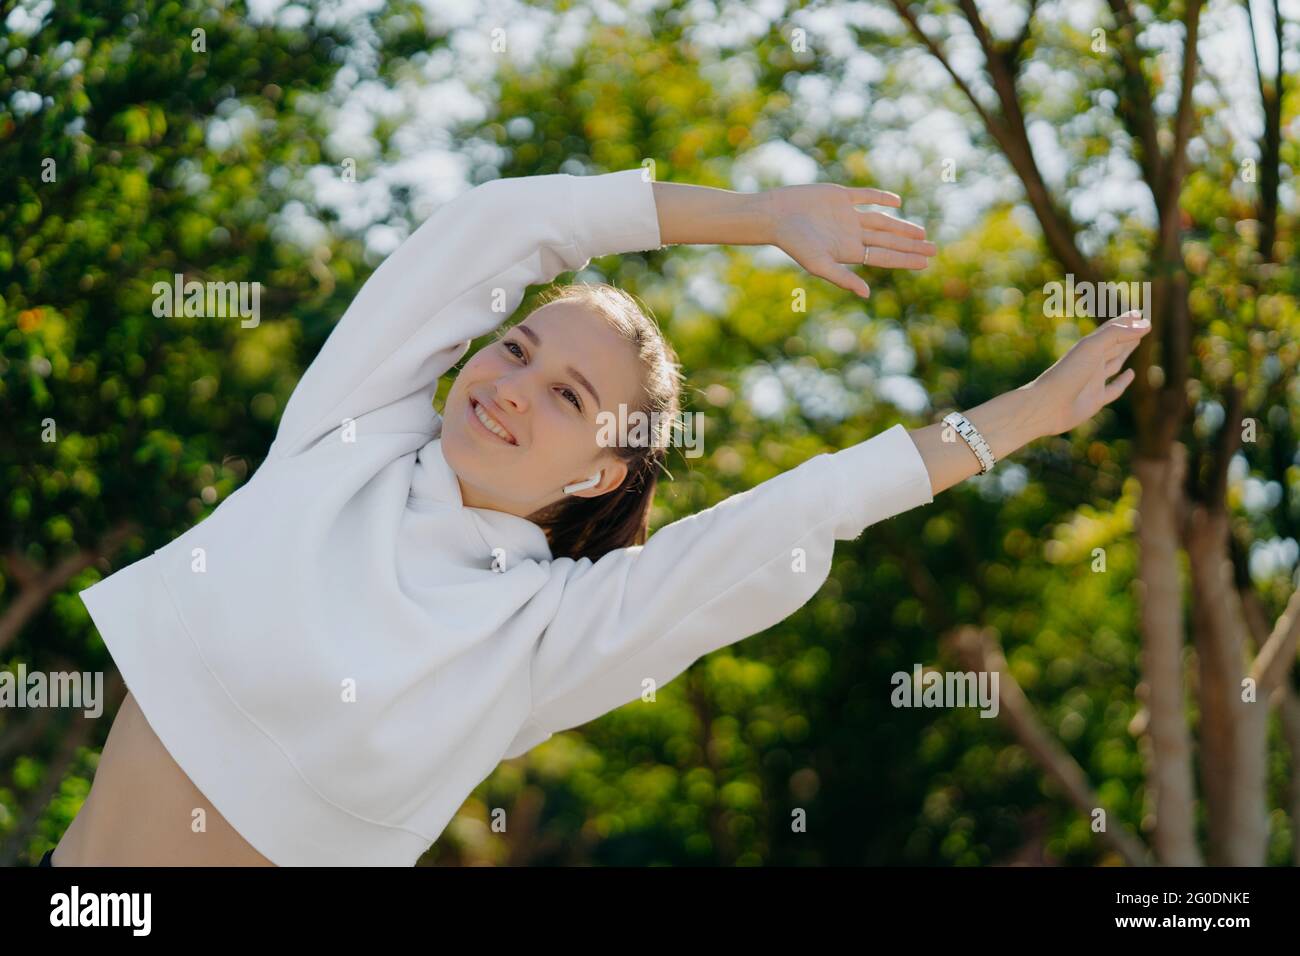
(582, 485)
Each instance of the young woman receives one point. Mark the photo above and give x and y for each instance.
(325, 667)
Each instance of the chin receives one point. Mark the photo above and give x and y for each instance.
(455, 446)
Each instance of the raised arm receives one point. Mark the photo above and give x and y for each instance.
(644, 614)
(817, 225)
(1066, 395)
(820, 227)
(457, 277)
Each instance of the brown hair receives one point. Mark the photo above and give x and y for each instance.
(578, 527)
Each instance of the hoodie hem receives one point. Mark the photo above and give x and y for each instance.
(237, 766)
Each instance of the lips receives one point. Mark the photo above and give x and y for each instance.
(475, 409)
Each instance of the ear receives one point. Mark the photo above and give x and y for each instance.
(612, 473)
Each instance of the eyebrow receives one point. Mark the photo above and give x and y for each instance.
(533, 337)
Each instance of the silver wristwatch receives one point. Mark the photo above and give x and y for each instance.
(970, 434)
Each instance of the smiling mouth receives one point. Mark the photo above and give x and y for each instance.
(491, 424)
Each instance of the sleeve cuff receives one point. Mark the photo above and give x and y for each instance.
(877, 479)
(614, 213)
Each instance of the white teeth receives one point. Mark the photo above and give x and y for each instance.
(490, 424)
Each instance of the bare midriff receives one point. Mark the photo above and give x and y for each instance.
(143, 809)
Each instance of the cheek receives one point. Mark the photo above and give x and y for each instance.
(470, 371)
(477, 369)
(558, 440)
(575, 447)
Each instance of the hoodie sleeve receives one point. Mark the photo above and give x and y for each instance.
(709, 580)
(461, 274)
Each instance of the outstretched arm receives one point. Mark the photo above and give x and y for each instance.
(640, 616)
(820, 227)
(645, 613)
(1062, 398)
(817, 225)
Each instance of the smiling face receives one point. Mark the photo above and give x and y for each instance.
(540, 387)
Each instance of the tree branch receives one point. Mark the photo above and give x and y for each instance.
(1277, 656)
(1176, 163)
(1270, 146)
(978, 650)
(1226, 445)
(38, 586)
(1014, 49)
(1008, 130)
(1140, 116)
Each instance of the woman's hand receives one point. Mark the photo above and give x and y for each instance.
(1075, 388)
(819, 228)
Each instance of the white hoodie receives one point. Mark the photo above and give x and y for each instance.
(330, 655)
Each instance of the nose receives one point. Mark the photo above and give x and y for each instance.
(509, 393)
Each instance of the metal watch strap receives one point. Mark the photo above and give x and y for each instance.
(970, 434)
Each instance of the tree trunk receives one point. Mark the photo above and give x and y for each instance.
(1233, 733)
(1289, 709)
(1167, 740)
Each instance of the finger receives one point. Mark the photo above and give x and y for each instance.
(1121, 347)
(892, 240)
(1116, 388)
(876, 197)
(1116, 362)
(1132, 321)
(884, 222)
(846, 278)
(1123, 335)
(893, 259)
(1116, 333)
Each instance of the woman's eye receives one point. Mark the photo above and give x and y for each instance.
(570, 395)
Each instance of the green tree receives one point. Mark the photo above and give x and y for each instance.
(140, 141)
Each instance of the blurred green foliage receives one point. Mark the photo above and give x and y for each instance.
(160, 419)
